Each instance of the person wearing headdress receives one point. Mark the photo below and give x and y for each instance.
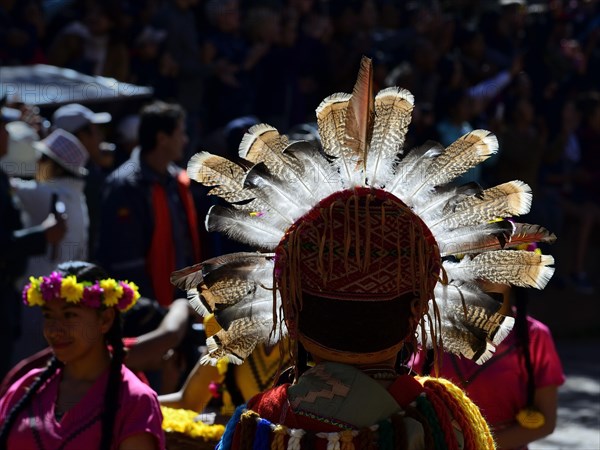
(357, 264)
(85, 397)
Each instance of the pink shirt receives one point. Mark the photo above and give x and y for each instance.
(498, 386)
(80, 427)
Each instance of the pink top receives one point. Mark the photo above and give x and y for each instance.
(499, 385)
(80, 427)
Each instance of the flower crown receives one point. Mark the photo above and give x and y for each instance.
(109, 292)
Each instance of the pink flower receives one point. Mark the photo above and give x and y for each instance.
(50, 286)
(24, 294)
(126, 298)
(215, 389)
(92, 296)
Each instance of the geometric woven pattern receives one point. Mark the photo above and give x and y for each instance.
(363, 244)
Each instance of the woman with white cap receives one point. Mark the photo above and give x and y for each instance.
(58, 185)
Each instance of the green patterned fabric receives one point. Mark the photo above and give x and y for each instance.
(342, 395)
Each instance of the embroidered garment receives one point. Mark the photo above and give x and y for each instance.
(335, 404)
(80, 427)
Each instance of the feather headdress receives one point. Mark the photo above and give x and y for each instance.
(357, 231)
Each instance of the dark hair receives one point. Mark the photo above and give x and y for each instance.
(53, 365)
(522, 332)
(86, 128)
(84, 271)
(355, 329)
(155, 118)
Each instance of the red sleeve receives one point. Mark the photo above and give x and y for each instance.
(139, 411)
(546, 363)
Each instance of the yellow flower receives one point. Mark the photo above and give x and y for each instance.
(136, 291)
(185, 421)
(112, 291)
(71, 290)
(34, 294)
(222, 364)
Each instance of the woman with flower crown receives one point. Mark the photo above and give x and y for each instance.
(85, 397)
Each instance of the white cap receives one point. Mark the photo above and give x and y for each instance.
(9, 114)
(74, 116)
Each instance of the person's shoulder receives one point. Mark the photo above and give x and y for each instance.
(31, 375)
(270, 402)
(535, 326)
(24, 381)
(133, 386)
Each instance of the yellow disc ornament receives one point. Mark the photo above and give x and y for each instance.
(531, 419)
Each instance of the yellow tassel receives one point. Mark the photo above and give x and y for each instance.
(228, 407)
(279, 432)
(531, 419)
(346, 438)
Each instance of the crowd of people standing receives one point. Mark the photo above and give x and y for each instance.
(529, 72)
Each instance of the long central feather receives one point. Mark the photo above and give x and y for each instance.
(360, 115)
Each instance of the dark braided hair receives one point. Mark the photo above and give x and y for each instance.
(522, 332)
(50, 370)
(84, 272)
(114, 338)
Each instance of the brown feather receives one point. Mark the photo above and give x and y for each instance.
(361, 114)
(224, 176)
(527, 234)
(331, 117)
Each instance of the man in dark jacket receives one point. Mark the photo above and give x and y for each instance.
(149, 226)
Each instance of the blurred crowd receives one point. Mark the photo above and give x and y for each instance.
(527, 71)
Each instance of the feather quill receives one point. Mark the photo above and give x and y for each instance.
(475, 238)
(528, 234)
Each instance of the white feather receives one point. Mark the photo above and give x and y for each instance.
(320, 175)
(241, 226)
(412, 169)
